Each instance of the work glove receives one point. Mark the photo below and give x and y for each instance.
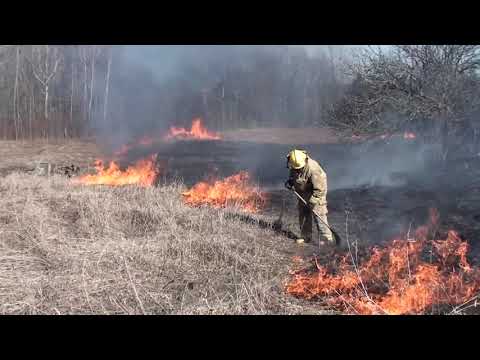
(289, 184)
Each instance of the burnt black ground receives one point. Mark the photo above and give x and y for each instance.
(387, 187)
(348, 165)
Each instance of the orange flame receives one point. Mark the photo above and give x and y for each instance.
(235, 190)
(198, 131)
(397, 279)
(143, 173)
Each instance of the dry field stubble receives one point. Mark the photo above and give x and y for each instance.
(24, 156)
(68, 249)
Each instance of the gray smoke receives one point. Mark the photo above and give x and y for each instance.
(155, 86)
(146, 80)
(390, 163)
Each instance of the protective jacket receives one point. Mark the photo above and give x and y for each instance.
(311, 183)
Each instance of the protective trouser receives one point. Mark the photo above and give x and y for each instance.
(305, 218)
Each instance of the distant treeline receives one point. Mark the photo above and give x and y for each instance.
(71, 91)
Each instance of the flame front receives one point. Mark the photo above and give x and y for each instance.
(235, 190)
(396, 279)
(198, 131)
(143, 173)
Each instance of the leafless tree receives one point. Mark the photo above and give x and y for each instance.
(94, 51)
(432, 87)
(107, 85)
(44, 68)
(15, 91)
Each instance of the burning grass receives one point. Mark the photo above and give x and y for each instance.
(197, 132)
(132, 250)
(143, 173)
(235, 190)
(409, 276)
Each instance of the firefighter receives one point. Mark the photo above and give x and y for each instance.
(309, 179)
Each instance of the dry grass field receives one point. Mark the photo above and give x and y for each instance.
(70, 249)
(23, 156)
(74, 250)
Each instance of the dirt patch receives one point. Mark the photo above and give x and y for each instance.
(284, 136)
(24, 156)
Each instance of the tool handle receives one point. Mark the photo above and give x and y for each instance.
(306, 204)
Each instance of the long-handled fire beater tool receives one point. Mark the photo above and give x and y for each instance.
(278, 224)
(338, 239)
